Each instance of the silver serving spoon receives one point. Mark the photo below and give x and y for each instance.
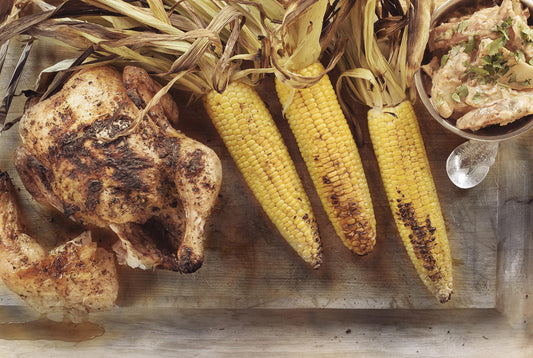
(469, 163)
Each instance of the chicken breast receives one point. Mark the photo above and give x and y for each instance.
(501, 112)
(74, 279)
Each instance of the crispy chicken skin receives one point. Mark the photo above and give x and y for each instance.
(74, 279)
(153, 186)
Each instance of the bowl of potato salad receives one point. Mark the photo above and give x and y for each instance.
(477, 76)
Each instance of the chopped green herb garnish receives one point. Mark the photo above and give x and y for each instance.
(526, 82)
(503, 85)
(503, 27)
(456, 97)
(486, 60)
(520, 55)
(469, 45)
(503, 71)
(476, 98)
(460, 92)
(455, 50)
(444, 59)
(492, 67)
(478, 71)
(526, 34)
(495, 46)
(463, 25)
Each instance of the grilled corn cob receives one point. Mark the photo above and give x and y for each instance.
(382, 82)
(255, 144)
(412, 195)
(330, 153)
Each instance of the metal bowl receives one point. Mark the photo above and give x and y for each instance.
(423, 85)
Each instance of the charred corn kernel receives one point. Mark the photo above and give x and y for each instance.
(330, 153)
(412, 195)
(256, 146)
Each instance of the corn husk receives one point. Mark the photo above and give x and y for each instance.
(389, 39)
(194, 50)
(299, 35)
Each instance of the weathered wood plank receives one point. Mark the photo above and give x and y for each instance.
(248, 264)
(369, 306)
(135, 332)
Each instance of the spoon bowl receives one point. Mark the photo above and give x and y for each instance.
(469, 163)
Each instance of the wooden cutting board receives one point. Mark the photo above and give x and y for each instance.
(248, 264)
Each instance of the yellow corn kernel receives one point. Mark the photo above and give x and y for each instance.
(256, 146)
(332, 159)
(412, 195)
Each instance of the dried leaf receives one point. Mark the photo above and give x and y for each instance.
(333, 19)
(52, 78)
(296, 80)
(223, 69)
(158, 10)
(199, 13)
(19, 26)
(390, 26)
(13, 83)
(382, 83)
(418, 34)
(300, 33)
(200, 40)
(26, 23)
(120, 22)
(140, 14)
(77, 8)
(5, 9)
(183, 23)
(166, 41)
(201, 45)
(3, 54)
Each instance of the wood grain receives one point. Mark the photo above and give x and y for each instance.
(248, 265)
(210, 333)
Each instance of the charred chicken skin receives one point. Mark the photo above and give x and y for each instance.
(83, 152)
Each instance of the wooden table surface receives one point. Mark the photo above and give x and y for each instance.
(254, 295)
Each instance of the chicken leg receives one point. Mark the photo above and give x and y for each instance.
(74, 279)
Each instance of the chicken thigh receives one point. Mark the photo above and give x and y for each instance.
(84, 153)
(74, 279)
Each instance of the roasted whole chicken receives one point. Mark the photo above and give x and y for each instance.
(84, 153)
